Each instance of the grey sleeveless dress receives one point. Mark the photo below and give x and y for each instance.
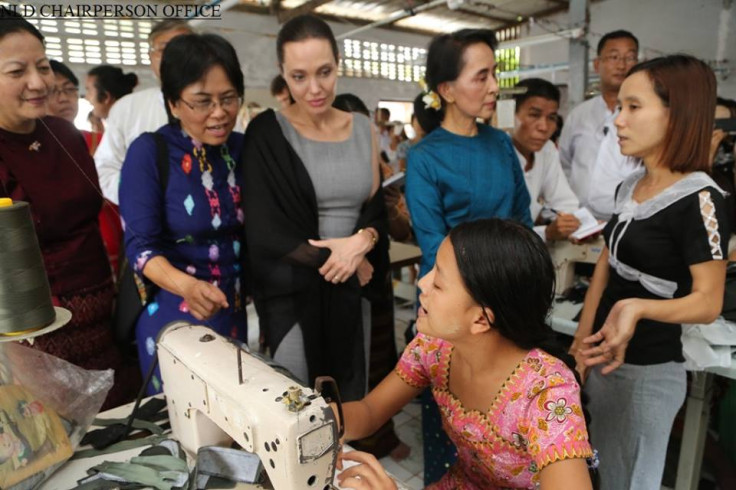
(342, 176)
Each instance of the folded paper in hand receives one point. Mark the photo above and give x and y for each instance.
(396, 179)
(588, 224)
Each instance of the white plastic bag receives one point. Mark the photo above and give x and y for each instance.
(46, 406)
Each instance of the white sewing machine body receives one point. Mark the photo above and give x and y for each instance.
(209, 405)
(565, 254)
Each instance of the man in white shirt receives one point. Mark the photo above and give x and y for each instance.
(610, 169)
(586, 126)
(551, 196)
(134, 114)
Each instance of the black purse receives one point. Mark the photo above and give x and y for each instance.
(134, 294)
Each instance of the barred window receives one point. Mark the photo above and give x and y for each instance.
(95, 41)
(370, 59)
(508, 59)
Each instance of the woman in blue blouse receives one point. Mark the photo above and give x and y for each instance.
(461, 171)
(182, 231)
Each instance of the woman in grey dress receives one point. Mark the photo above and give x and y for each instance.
(314, 212)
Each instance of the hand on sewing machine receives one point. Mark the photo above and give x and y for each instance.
(203, 299)
(368, 474)
(561, 227)
(613, 338)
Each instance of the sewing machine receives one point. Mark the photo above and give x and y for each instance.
(216, 392)
(565, 254)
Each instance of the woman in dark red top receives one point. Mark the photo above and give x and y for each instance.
(44, 161)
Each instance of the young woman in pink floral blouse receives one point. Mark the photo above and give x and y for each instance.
(510, 406)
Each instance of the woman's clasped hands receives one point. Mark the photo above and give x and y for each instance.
(347, 257)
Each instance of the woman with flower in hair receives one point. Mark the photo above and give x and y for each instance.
(460, 171)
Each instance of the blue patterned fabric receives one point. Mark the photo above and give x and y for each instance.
(197, 225)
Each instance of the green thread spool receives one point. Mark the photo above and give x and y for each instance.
(25, 295)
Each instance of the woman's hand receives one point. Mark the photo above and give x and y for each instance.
(367, 475)
(203, 299)
(614, 336)
(365, 272)
(347, 254)
(576, 352)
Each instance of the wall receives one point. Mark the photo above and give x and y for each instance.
(702, 28)
(254, 37)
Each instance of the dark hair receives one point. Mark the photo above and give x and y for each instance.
(187, 59)
(427, 118)
(445, 58)
(619, 34)
(536, 87)
(691, 112)
(278, 85)
(506, 267)
(556, 135)
(166, 26)
(729, 104)
(305, 27)
(11, 22)
(350, 103)
(384, 112)
(111, 80)
(60, 68)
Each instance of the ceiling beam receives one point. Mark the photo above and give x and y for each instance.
(305, 8)
(263, 10)
(483, 12)
(538, 15)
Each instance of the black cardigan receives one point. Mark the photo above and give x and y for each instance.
(281, 214)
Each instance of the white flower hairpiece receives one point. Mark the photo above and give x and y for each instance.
(431, 99)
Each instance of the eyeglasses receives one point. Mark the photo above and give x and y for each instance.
(68, 91)
(205, 107)
(616, 58)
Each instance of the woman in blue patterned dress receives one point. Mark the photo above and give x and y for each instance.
(182, 230)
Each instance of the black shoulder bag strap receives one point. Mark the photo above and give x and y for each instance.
(130, 304)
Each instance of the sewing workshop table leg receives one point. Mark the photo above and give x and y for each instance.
(697, 414)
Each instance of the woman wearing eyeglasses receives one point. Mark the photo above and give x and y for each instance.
(182, 230)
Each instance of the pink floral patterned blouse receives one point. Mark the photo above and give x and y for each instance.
(535, 419)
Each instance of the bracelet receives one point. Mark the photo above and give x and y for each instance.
(373, 237)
